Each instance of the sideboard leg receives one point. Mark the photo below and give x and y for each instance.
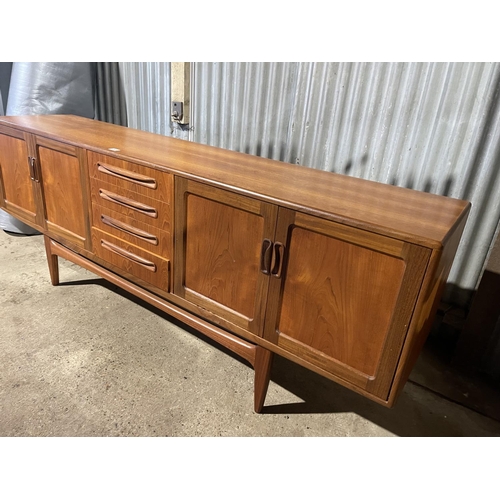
(262, 367)
(52, 262)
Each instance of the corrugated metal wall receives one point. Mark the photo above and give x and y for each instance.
(429, 126)
(138, 95)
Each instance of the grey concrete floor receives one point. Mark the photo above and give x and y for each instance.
(86, 359)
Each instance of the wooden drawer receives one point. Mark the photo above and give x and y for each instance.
(131, 176)
(131, 259)
(146, 210)
(143, 235)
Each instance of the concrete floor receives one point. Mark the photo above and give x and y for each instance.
(86, 359)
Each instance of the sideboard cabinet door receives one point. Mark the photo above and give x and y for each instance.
(17, 192)
(63, 184)
(342, 298)
(222, 240)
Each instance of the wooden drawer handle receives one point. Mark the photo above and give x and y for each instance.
(127, 202)
(138, 233)
(151, 266)
(143, 180)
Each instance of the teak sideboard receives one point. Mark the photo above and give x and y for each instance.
(340, 275)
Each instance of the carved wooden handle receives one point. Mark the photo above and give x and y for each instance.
(143, 180)
(127, 202)
(279, 250)
(33, 170)
(151, 266)
(138, 233)
(265, 256)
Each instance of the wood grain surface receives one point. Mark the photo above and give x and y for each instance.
(414, 216)
(139, 207)
(132, 259)
(219, 237)
(339, 298)
(62, 190)
(222, 253)
(15, 176)
(131, 176)
(345, 298)
(143, 235)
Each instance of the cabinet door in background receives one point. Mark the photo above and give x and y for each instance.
(219, 240)
(344, 299)
(16, 178)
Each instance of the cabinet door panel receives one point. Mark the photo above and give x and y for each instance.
(62, 193)
(219, 238)
(345, 299)
(336, 286)
(18, 198)
(216, 251)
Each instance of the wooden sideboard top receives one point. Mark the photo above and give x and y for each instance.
(415, 216)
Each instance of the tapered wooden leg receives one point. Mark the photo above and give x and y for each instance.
(262, 367)
(52, 261)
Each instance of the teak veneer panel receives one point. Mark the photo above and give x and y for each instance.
(131, 259)
(60, 174)
(226, 271)
(15, 175)
(345, 298)
(219, 236)
(331, 290)
(417, 217)
(149, 182)
(145, 210)
(150, 238)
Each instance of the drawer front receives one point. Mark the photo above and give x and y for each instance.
(143, 209)
(145, 236)
(131, 259)
(135, 178)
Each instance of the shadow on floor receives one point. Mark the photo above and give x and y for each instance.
(420, 411)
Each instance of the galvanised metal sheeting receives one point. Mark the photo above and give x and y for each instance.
(244, 107)
(428, 126)
(146, 89)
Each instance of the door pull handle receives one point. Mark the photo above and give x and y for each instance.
(265, 256)
(33, 171)
(279, 252)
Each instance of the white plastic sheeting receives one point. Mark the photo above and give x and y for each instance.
(43, 88)
(49, 88)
